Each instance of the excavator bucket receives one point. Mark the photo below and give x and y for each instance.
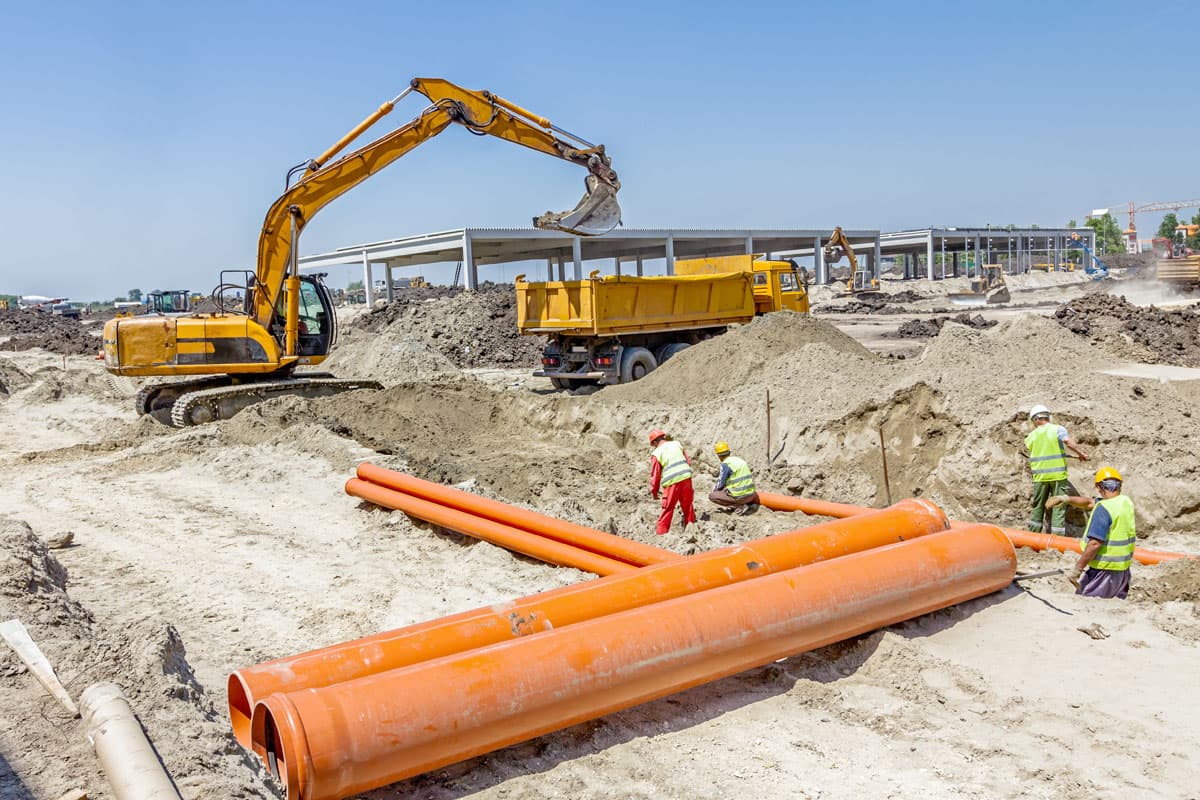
(596, 214)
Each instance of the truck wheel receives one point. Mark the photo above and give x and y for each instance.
(636, 363)
(667, 350)
(560, 383)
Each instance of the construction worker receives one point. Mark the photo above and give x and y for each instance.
(1047, 445)
(670, 471)
(1102, 569)
(735, 484)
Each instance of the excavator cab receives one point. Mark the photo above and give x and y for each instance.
(318, 321)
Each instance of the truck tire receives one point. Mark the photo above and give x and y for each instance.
(667, 350)
(636, 363)
(560, 383)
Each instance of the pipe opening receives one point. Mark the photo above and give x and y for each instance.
(240, 709)
(268, 744)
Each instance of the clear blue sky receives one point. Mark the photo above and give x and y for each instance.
(145, 140)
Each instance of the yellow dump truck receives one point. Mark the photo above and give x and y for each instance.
(616, 328)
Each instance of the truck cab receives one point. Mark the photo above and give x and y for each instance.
(778, 285)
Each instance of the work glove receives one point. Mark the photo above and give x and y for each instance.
(1073, 574)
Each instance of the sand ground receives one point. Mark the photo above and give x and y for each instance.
(199, 551)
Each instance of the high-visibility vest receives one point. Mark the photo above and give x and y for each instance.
(1117, 553)
(1047, 459)
(740, 482)
(675, 467)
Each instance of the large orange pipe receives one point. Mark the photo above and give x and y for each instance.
(572, 604)
(506, 536)
(615, 547)
(355, 736)
(1019, 538)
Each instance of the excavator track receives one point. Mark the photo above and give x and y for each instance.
(156, 399)
(223, 402)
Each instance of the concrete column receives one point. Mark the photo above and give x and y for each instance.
(639, 266)
(549, 269)
(470, 272)
(617, 265)
(670, 255)
(929, 258)
(577, 257)
(368, 282)
(876, 259)
(749, 244)
(562, 269)
(819, 262)
(975, 261)
(387, 276)
(954, 270)
(1057, 252)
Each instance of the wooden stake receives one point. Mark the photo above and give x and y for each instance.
(887, 487)
(768, 427)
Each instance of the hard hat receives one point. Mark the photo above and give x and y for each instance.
(722, 449)
(657, 434)
(1105, 473)
(1038, 411)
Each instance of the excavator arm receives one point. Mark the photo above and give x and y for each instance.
(482, 113)
(837, 246)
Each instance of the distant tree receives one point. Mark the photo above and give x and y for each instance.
(1166, 228)
(1194, 241)
(135, 295)
(1035, 227)
(354, 286)
(1108, 234)
(1071, 224)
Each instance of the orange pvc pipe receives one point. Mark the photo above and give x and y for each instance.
(506, 536)
(351, 737)
(615, 547)
(1019, 538)
(568, 605)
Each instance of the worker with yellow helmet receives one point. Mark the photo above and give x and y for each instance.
(1102, 569)
(735, 484)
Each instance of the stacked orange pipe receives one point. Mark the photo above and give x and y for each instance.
(606, 544)
(1019, 538)
(569, 605)
(351, 737)
(506, 536)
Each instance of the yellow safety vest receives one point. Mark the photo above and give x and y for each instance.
(1047, 459)
(675, 467)
(741, 482)
(1117, 553)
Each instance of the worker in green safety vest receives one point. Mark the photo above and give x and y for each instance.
(735, 484)
(1048, 445)
(1106, 550)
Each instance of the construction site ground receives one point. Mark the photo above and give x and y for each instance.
(198, 551)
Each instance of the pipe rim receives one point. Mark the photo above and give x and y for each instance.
(241, 707)
(279, 750)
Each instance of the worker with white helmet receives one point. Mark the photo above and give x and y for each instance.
(1106, 551)
(735, 485)
(1048, 445)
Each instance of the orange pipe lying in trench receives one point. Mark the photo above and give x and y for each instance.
(355, 736)
(506, 536)
(615, 547)
(1019, 538)
(572, 604)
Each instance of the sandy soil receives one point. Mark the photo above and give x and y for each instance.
(199, 551)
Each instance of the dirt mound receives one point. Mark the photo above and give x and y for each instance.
(146, 659)
(924, 328)
(875, 303)
(470, 329)
(1173, 580)
(1172, 335)
(30, 328)
(720, 365)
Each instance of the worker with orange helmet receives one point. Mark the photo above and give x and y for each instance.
(1102, 569)
(735, 485)
(671, 471)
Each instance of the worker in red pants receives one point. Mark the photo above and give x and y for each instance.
(670, 471)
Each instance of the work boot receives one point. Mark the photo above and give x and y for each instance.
(746, 510)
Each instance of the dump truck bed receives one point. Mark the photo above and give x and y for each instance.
(1179, 270)
(611, 305)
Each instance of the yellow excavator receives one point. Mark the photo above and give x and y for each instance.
(861, 281)
(273, 321)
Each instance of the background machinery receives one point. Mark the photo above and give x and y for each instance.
(986, 289)
(1096, 269)
(1176, 263)
(271, 322)
(861, 280)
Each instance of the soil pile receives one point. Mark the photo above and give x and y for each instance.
(146, 659)
(875, 303)
(30, 328)
(1174, 580)
(924, 328)
(469, 329)
(1173, 336)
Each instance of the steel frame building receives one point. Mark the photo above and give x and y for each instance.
(622, 249)
(936, 253)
